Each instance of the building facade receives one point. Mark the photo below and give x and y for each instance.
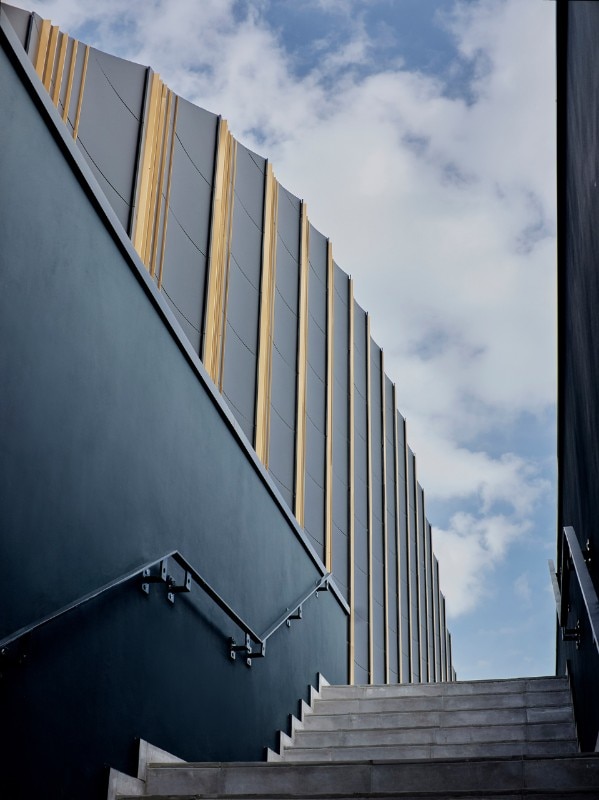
(191, 388)
(578, 360)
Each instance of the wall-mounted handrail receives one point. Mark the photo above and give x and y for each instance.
(173, 587)
(295, 611)
(589, 596)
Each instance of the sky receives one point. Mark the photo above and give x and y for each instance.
(421, 134)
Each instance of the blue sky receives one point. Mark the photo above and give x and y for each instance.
(421, 134)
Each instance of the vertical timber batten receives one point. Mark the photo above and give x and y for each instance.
(302, 360)
(145, 177)
(159, 176)
(385, 526)
(369, 510)
(168, 191)
(267, 310)
(351, 478)
(62, 53)
(328, 475)
(219, 253)
(81, 91)
(42, 48)
(71, 75)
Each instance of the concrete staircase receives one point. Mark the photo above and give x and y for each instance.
(480, 740)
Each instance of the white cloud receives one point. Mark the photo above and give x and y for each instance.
(522, 588)
(468, 551)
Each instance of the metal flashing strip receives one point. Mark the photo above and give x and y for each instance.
(77, 163)
(328, 475)
(369, 509)
(302, 356)
(385, 525)
(220, 252)
(267, 315)
(352, 481)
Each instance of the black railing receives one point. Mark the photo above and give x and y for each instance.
(571, 558)
(157, 571)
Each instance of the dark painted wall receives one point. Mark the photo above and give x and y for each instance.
(578, 276)
(112, 452)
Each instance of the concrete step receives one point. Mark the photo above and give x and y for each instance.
(538, 777)
(508, 686)
(427, 719)
(429, 751)
(358, 705)
(573, 794)
(433, 735)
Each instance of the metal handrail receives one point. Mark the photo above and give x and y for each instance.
(587, 589)
(173, 587)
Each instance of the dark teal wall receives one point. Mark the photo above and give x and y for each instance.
(578, 304)
(113, 450)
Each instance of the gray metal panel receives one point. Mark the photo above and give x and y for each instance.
(430, 616)
(240, 370)
(437, 607)
(249, 184)
(341, 430)
(314, 502)
(196, 133)
(109, 126)
(361, 561)
(188, 221)
(413, 570)
(190, 331)
(243, 310)
(286, 319)
(184, 280)
(283, 391)
(378, 552)
(316, 398)
(391, 557)
(243, 291)
(19, 19)
(361, 646)
(341, 558)
(191, 185)
(404, 575)
(341, 561)
(288, 221)
(34, 34)
(421, 549)
(282, 443)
